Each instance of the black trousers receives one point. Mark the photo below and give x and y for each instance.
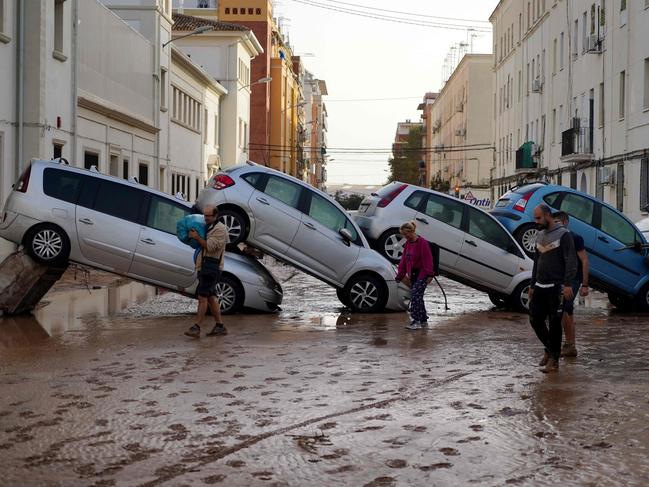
(546, 311)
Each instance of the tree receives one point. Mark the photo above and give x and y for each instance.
(405, 168)
(348, 201)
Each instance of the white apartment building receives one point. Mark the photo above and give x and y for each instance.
(571, 99)
(460, 122)
(225, 54)
(315, 130)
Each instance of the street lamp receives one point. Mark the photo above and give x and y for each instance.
(199, 30)
(260, 81)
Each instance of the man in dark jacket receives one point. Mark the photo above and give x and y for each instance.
(555, 267)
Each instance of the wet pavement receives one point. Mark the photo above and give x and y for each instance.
(98, 390)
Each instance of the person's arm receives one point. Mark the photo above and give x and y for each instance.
(401, 270)
(426, 260)
(216, 240)
(569, 259)
(583, 256)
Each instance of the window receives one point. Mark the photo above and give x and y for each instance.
(445, 210)
(483, 226)
(235, 11)
(163, 88)
(125, 170)
(575, 40)
(325, 213)
(258, 11)
(584, 32)
(58, 27)
(622, 103)
(2, 16)
(561, 51)
(90, 159)
(617, 227)
(164, 214)
(62, 185)
(646, 83)
(551, 199)
(186, 110)
(644, 183)
(216, 130)
(283, 190)
(554, 57)
(58, 150)
(623, 5)
(554, 125)
(414, 200)
(601, 104)
(119, 200)
(205, 121)
(578, 206)
(256, 180)
(143, 173)
(250, 11)
(227, 11)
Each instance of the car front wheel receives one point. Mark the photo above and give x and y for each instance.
(390, 245)
(236, 224)
(526, 237)
(498, 300)
(366, 294)
(230, 294)
(642, 298)
(48, 244)
(342, 297)
(520, 298)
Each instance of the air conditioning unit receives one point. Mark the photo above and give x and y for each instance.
(607, 176)
(594, 44)
(461, 132)
(537, 85)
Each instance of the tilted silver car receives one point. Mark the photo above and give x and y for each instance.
(306, 228)
(475, 249)
(62, 213)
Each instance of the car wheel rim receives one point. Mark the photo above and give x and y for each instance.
(364, 294)
(394, 246)
(525, 297)
(47, 244)
(226, 295)
(528, 239)
(233, 226)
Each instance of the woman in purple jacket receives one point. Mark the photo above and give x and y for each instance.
(416, 270)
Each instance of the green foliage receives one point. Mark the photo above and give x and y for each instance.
(348, 201)
(406, 167)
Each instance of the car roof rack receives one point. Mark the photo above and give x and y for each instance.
(61, 160)
(180, 196)
(93, 168)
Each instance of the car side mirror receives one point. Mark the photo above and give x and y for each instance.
(345, 234)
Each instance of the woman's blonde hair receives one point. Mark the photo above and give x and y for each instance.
(410, 226)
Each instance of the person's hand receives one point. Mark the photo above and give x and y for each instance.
(406, 281)
(530, 293)
(567, 293)
(193, 234)
(583, 291)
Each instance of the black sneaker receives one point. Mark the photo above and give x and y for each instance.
(218, 329)
(194, 331)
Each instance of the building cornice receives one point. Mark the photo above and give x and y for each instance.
(103, 107)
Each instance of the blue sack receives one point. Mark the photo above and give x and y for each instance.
(190, 222)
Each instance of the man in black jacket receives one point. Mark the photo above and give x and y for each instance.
(555, 267)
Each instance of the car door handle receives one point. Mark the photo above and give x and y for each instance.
(87, 221)
(422, 220)
(603, 239)
(147, 241)
(263, 201)
(471, 243)
(309, 225)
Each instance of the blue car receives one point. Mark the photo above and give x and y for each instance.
(616, 248)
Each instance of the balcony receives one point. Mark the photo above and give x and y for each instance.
(577, 145)
(525, 158)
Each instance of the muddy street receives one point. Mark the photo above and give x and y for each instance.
(101, 388)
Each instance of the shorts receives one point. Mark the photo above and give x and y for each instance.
(569, 306)
(208, 277)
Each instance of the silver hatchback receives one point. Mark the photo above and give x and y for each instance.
(306, 228)
(475, 249)
(62, 213)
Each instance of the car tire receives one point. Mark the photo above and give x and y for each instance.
(366, 293)
(236, 224)
(498, 300)
(519, 300)
(390, 245)
(526, 237)
(621, 303)
(230, 294)
(642, 298)
(342, 297)
(48, 244)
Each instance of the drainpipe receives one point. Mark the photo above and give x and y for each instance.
(20, 105)
(75, 77)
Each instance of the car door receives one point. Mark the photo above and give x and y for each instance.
(318, 244)
(623, 267)
(582, 217)
(159, 256)
(489, 256)
(108, 218)
(440, 221)
(276, 214)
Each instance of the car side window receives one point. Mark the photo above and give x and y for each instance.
(618, 228)
(164, 214)
(255, 179)
(62, 185)
(445, 210)
(579, 207)
(485, 228)
(119, 200)
(414, 200)
(551, 199)
(329, 216)
(285, 191)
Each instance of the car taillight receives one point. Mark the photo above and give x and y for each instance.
(222, 181)
(522, 202)
(386, 200)
(23, 182)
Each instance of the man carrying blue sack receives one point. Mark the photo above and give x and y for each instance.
(209, 264)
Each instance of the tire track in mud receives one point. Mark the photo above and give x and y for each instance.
(174, 471)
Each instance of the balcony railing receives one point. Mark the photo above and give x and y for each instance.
(577, 145)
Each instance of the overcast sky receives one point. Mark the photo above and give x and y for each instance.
(364, 58)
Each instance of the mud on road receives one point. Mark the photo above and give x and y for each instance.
(317, 396)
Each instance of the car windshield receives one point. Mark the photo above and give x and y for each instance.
(527, 188)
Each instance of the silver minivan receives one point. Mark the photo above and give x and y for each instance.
(475, 249)
(62, 213)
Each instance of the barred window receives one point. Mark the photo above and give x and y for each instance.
(644, 183)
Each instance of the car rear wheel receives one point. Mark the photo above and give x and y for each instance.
(236, 224)
(498, 300)
(390, 245)
(366, 294)
(642, 298)
(342, 297)
(526, 237)
(230, 294)
(48, 244)
(520, 298)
